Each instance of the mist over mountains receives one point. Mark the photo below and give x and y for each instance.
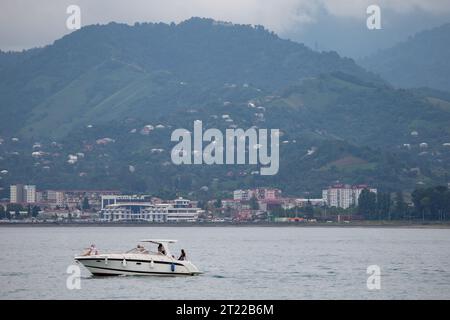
(114, 93)
(420, 61)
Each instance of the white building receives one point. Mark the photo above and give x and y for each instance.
(134, 212)
(15, 193)
(181, 211)
(259, 193)
(243, 195)
(22, 193)
(343, 195)
(62, 214)
(122, 199)
(56, 198)
(30, 193)
(140, 208)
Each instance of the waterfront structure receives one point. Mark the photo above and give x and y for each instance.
(181, 210)
(140, 208)
(20, 193)
(110, 199)
(344, 195)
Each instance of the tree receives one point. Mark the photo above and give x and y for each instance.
(431, 203)
(2, 212)
(384, 205)
(446, 204)
(218, 203)
(367, 204)
(35, 211)
(85, 205)
(201, 204)
(254, 203)
(401, 207)
(439, 201)
(309, 210)
(14, 207)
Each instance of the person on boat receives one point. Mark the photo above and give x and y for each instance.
(183, 255)
(92, 250)
(141, 249)
(161, 249)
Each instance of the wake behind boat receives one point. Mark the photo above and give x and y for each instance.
(138, 261)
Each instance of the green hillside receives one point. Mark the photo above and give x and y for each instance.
(93, 92)
(199, 52)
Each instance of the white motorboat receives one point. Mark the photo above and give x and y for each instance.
(138, 261)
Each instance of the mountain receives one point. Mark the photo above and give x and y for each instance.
(421, 61)
(104, 72)
(14, 58)
(96, 110)
(345, 108)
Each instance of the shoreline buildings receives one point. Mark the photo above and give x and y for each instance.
(344, 195)
(256, 204)
(141, 208)
(72, 199)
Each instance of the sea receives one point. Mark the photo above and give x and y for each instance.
(237, 263)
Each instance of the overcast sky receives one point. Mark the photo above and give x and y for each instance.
(322, 24)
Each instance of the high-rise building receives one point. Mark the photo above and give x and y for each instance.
(20, 193)
(344, 195)
(16, 193)
(29, 193)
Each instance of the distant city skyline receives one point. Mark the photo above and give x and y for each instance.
(323, 25)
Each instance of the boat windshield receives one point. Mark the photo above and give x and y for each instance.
(139, 249)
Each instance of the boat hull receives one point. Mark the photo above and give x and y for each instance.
(103, 265)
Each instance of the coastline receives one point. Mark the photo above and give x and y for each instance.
(359, 224)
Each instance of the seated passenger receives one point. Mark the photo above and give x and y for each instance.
(92, 250)
(161, 249)
(141, 249)
(183, 255)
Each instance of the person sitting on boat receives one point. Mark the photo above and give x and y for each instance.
(183, 255)
(161, 249)
(92, 250)
(141, 249)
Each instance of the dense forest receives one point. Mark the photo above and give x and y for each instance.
(428, 204)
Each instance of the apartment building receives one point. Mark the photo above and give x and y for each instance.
(343, 195)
